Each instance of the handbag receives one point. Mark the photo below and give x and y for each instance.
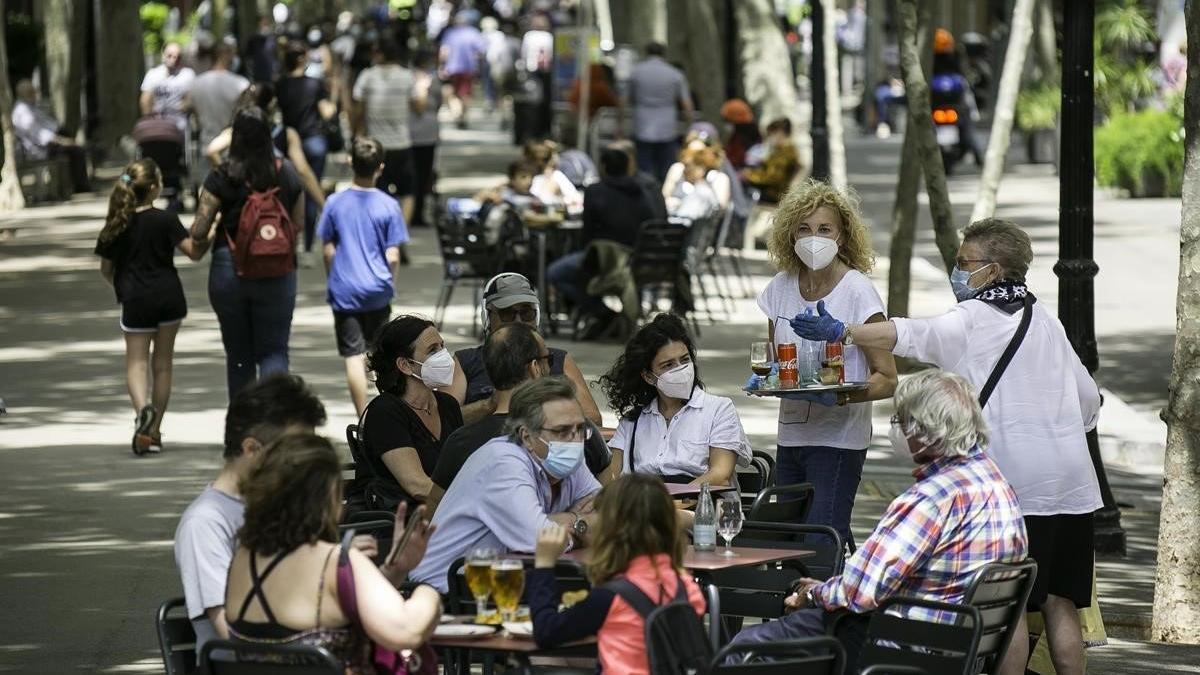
(332, 130)
(1009, 352)
(419, 661)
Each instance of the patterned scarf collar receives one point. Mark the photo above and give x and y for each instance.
(1005, 295)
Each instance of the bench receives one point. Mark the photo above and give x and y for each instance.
(45, 180)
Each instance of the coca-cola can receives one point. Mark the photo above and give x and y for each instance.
(789, 373)
(835, 360)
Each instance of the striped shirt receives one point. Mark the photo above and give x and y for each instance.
(959, 516)
(386, 92)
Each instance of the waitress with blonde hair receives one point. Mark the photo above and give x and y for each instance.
(822, 251)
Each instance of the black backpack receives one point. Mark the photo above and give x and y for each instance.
(675, 639)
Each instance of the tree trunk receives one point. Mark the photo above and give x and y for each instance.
(119, 68)
(833, 101)
(693, 38)
(11, 197)
(768, 84)
(247, 22)
(904, 225)
(920, 126)
(1002, 113)
(64, 21)
(218, 20)
(1177, 582)
(1046, 42)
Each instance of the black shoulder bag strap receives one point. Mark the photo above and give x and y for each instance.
(633, 441)
(1009, 352)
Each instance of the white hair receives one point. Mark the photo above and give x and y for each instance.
(940, 409)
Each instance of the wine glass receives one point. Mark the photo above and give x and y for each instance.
(729, 520)
(760, 358)
(479, 579)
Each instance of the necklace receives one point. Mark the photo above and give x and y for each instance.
(419, 408)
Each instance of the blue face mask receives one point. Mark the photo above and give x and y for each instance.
(564, 457)
(960, 282)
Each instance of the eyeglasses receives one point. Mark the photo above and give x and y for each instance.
(548, 358)
(963, 261)
(895, 420)
(510, 314)
(576, 432)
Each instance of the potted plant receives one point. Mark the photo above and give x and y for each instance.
(1037, 118)
(1141, 152)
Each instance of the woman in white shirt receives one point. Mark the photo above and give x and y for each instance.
(669, 425)
(1038, 413)
(823, 253)
(696, 182)
(551, 185)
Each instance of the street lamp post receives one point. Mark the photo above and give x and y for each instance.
(818, 129)
(1075, 267)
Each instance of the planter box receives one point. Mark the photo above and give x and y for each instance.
(1041, 146)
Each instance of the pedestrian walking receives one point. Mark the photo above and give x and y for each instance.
(461, 51)
(305, 104)
(822, 250)
(425, 132)
(1038, 400)
(135, 248)
(165, 87)
(384, 104)
(363, 230)
(252, 288)
(214, 95)
(658, 93)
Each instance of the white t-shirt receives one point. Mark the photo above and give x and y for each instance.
(204, 544)
(1040, 408)
(681, 446)
(386, 91)
(802, 423)
(169, 89)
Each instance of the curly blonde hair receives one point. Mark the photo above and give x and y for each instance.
(854, 249)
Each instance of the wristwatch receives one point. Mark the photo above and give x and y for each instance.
(848, 337)
(580, 528)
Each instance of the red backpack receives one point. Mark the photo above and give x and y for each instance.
(265, 245)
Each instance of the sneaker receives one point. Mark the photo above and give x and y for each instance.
(141, 432)
(155, 446)
(883, 130)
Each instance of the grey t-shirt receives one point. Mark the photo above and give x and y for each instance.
(655, 89)
(213, 96)
(204, 545)
(386, 91)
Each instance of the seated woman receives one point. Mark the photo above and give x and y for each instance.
(669, 425)
(549, 184)
(636, 540)
(403, 428)
(695, 187)
(780, 164)
(283, 585)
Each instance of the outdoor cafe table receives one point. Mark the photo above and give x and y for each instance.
(686, 490)
(700, 562)
(518, 650)
(570, 226)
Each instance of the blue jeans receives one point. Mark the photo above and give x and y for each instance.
(850, 630)
(315, 150)
(256, 320)
(564, 274)
(656, 157)
(834, 474)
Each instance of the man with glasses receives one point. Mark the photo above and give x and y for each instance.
(507, 299)
(517, 484)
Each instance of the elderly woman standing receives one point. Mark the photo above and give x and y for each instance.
(1038, 412)
(823, 253)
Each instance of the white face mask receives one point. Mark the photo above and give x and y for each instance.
(677, 382)
(816, 252)
(438, 369)
(900, 444)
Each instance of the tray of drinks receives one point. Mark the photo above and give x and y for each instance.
(810, 389)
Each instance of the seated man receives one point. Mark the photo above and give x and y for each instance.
(41, 136)
(959, 516)
(508, 298)
(206, 537)
(614, 210)
(513, 354)
(514, 486)
(516, 193)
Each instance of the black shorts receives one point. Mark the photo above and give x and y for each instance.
(146, 314)
(1062, 545)
(355, 329)
(398, 178)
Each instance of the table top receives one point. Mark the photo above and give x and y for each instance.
(685, 490)
(711, 561)
(501, 641)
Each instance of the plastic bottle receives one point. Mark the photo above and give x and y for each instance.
(704, 528)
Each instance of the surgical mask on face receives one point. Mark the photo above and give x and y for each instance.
(900, 444)
(960, 282)
(677, 382)
(438, 369)
(563, 458)
(816, 252)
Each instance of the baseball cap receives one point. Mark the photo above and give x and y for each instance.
(509, 290)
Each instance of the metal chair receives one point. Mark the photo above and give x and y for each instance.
(751, 482)
(783, 503)
(888, 669)
(999, 591)
(225, 657)
(770, 462)
(659, 265)
(948, 646)
(354, 492)
(466, 256)
(380, 524)
(812, 656)
(176, 638)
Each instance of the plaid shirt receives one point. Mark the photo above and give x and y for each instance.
(959, 516)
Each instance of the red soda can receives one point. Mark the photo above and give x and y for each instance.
(835, 360)
(789, 373)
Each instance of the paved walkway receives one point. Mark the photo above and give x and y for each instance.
(88, 528)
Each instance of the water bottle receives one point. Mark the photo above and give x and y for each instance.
(704, 528)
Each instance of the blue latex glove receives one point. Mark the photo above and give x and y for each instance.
(819, 327)
(825, 398)
(755, 382)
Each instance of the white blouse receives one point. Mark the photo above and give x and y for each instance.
(680, 447)
(1040, 409)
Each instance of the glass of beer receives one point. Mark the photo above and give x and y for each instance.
(760, 358)
(508, 582)
(479, 579)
